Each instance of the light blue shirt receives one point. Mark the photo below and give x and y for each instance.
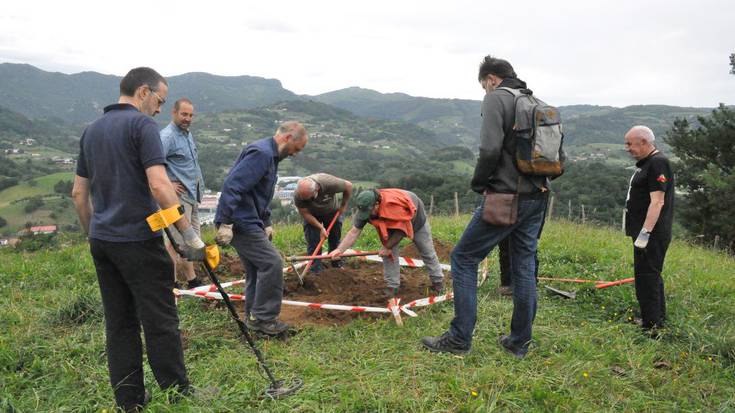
(182, 161)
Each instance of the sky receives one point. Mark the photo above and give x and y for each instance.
(568, 51)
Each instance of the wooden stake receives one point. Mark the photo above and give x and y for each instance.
(431, 205)
(456, 205)
(551, 208)
(583, 217)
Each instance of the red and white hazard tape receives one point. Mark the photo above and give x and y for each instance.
(210, 292)
(403, 261)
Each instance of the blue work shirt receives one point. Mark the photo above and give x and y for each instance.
(249, 187)
(182, 163)
(114, 152)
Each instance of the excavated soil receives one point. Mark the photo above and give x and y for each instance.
(359, 282)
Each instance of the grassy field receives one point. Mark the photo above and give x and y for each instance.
(586, 355)
(11, 209)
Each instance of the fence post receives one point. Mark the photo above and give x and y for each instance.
(717, 241)
(622, 227)
(583, 217)
(431, 205)
(456, 205)
(551, 208)
(569, 209)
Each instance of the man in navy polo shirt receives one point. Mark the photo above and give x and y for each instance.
(121, 163)
(243, 218)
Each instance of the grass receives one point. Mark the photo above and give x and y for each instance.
(16, 216)
(586, 356)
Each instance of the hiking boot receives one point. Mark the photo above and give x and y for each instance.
(437, 287)
(194, 283)
(271, 327)
(390, 292)
(446, 343)
(505, 290)
(505, 343)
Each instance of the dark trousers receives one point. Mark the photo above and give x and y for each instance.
(649, 286)
(313, 236)
(136, 287)
(506, 277)
(263, 274)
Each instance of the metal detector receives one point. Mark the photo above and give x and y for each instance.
(210, 257)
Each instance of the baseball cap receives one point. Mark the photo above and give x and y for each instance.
(365, 202)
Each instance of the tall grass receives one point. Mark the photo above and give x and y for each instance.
(586, 355)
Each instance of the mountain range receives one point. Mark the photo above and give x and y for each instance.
(79, 98)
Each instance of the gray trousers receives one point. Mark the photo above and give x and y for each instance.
(425, 246)
(263, 272)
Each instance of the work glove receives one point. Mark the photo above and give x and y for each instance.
(642, 240)
(191, 239)
(224, 234)
(269, 232)
(193, 254)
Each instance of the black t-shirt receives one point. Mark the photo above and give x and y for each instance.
(114, 152)
(652, 173)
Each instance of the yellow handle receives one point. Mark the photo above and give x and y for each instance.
(164, 218)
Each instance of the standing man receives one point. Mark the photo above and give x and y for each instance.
(122, 164)
(649, 213)
(182, 167)
(243, 218)
(496, 171)
(316, 200)
(395, 214)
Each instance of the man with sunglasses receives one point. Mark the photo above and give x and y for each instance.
(122, 166)
(317, 202)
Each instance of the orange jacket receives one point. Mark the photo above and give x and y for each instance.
(395, 211)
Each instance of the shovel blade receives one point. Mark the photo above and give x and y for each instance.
(565, 294)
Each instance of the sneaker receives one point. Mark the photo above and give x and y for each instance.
(271, 327)
(390, 292)
(194, 283)
(446, 343)
(505, 290)
(504, 342)
(437, 287)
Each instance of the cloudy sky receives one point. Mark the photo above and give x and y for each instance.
(570, 52)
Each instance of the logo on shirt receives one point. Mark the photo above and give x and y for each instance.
(662, 178)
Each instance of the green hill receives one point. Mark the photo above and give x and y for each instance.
(80, 97)
(585, 357)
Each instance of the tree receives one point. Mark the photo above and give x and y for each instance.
(33, 204)
(705, 173)
(63, 187)
(732, 64)
(3, 222)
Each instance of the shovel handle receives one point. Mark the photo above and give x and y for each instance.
(319, 247)
(327, 256)
(614, 283)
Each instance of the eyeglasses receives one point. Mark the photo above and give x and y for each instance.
(161, 101)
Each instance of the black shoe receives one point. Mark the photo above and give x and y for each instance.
(504, 342)
(390, 292)
(338, 264)
(446, 343)
(139, 407)
(437, 287)
(194, 283)
(273, 327)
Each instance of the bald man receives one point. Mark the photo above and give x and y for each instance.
(244, 219)
(317, 202)
(649, 212)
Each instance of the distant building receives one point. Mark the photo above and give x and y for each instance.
(28, 142)
(43, 229)
(14, 151)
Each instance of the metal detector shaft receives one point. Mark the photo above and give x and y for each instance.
(233, 313)
(319, 247)
(327, 256)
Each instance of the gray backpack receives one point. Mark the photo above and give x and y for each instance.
(538, 135)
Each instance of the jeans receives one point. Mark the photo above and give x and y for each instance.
(263, 274)
(477, 241)
(313, 237)
(136, 287)
(425, 246)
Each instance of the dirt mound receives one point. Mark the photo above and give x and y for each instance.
(443, 251)
(359, 282)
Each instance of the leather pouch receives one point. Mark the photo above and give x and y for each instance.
(500, 209)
